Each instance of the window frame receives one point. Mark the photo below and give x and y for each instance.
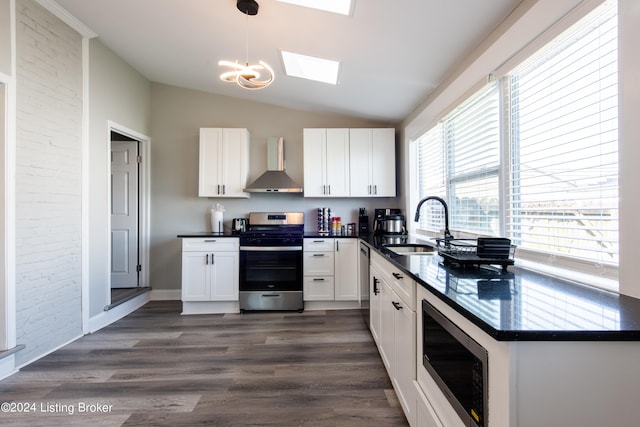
(558, 265)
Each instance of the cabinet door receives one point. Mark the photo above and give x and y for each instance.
(210, 174)
(235, 162)
(360, 162)
(387, 330)
(315, 148)
(224, 276)
(375, 307)
(195, 276)
(383, 162)
(404, 358)
(346, 271)
(337, 163)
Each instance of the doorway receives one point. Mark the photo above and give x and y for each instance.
(126, 219)
(4, 303)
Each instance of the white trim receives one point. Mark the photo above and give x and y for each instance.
(40, 356)
(106, 318)
(8, 366)
(580, 11)
(8, 285)
(145, 200)
(62, 14)
(85, 288)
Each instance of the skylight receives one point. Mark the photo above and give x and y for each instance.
(310, 67)
(342, 7)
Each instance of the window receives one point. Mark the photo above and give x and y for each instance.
(554, 119)
(460, 158)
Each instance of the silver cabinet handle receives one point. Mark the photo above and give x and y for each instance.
(318, 255)
(224, 189)
(375, 190)
(329, 188)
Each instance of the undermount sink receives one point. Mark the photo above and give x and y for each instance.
(412, 249)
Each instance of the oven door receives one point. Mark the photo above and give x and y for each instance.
(271, 268)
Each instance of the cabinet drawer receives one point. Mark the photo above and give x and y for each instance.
(318, 245)
(318, 263)
(404, 286)
(318, 288)
(400, 282)
(211, 244)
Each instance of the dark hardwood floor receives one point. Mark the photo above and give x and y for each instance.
(156, 367)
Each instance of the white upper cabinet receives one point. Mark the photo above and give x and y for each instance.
(326, 162)
(224, 162)
(372, 157)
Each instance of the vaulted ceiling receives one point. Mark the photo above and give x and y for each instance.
(393, 53)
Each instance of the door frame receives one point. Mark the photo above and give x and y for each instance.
(7, 218)
(144, 172)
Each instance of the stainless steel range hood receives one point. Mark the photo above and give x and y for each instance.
(274, 180)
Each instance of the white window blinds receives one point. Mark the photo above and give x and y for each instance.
(563, 192)
(472, 138)
(555, 191)
(458, 160)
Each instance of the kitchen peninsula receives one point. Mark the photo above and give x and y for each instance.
(559, 353)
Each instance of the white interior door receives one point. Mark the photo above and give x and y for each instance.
(124, 214)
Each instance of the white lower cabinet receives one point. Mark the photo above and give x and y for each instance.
(210, 269)
(346, 269)
(425, 414)
(393, 325)
(330, 269)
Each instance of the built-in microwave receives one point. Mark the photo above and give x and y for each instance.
(457, 363)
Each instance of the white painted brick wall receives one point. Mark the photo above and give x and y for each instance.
(48, 181)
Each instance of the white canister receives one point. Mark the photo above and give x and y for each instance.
(216, 221)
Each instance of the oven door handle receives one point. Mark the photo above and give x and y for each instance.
(270, 248)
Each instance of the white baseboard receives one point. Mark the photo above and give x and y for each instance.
(166, 294)
(7, 366)
(108, 317)
(331, 305)
(210, 307)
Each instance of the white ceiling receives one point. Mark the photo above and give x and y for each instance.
(393, 52)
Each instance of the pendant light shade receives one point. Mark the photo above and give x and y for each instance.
(247, 76)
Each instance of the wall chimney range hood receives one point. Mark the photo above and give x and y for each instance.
(274, 180)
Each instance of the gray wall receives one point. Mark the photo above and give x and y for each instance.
(119, 94)
(48, 181)
(5, 37)
(177, 115)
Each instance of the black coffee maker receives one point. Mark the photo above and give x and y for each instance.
(363, 222)
(380, 216)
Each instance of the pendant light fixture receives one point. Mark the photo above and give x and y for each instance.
(248, 76)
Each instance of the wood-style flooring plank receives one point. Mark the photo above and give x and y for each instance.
(156, 367)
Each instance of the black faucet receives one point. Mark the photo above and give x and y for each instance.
(447, 234)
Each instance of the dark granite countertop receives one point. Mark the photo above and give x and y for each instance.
(314, 234)
(519, 304)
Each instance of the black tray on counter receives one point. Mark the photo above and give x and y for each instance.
(476, 252)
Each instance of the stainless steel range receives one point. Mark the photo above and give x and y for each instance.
(271, 262)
